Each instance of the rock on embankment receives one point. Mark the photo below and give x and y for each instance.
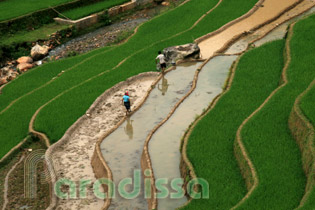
(172, 54)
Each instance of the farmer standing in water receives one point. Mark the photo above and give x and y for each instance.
(161, 59)
(126, 101)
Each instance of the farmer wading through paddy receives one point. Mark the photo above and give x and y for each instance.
(126, 101)
(161, 59)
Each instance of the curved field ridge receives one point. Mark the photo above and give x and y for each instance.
(267, 138)
(246, 165)
(209, 142)
(303, 131)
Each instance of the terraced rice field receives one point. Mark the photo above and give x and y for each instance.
(144, 44)
(14, 8)
(253, 145)
(266, 136)
(210, 146)
(80, 12)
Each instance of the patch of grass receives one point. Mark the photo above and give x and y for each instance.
(32, 36)
(210, 146)
(123, 35)
(80, 12)
(54, 121)
(271, 147)
(14, 8)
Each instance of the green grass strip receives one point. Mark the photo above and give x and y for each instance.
(267, 137)
(210, 146)
(80, 12)
(31, 36)
(56, 121)
(14, 8)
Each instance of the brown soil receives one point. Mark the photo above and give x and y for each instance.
(15, 196)
(269, 10)
(299, 9)
(3, 172)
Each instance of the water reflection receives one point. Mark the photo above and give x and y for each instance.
(164, 86)
(129, 129)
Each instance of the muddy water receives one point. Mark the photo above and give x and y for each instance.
(275, 34)
(123, 148)
(164, 147)
(281, 31)
(270, 9)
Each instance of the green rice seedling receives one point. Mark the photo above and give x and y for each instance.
(210, 146)
(14, 8)
(80, 12)
(267, 137)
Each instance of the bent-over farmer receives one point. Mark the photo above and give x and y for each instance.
(161, 59)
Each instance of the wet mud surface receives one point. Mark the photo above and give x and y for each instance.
(280, 25)
(267, 11)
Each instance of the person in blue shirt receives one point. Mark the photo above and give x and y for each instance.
(126, 101)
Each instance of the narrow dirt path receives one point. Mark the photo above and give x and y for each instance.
(269, 10)
(6, 183)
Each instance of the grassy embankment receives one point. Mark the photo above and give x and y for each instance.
(42, 33)
(268, 139)
(80, 12)
(302, 124)
(210, 146)
(54, 121)
(306, 105)
(14, 8)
